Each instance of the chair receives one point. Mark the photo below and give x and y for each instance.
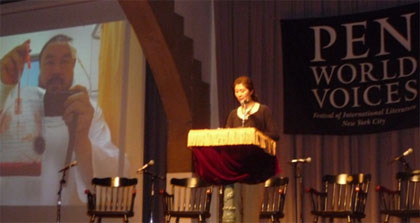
(189, 198)
(342, 196)
(274, 198)
(404, 202)
(112, 197)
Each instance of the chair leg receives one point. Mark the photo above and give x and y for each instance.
(348, 219)
(168, 218)
(201, 219)
(315, 219)
(99, 220)
(125, 219)
(92, 218)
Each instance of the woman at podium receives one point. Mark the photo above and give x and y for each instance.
(259, 166)
(241, 156)
(250, 113)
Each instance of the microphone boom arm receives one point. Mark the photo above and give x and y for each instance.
(405, 164)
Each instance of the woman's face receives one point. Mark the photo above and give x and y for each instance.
(242, 93)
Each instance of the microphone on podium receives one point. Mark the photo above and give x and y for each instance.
(145, 166)
(305, 160)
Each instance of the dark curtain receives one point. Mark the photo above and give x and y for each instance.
(155, 143)
(248, 42)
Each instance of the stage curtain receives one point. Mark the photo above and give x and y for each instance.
(111, 59)
(248, 42)
(121, 95)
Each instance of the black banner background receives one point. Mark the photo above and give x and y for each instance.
(353, 74)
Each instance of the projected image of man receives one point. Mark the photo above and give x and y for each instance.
(66, 125)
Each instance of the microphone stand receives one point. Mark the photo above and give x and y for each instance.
(62, 182)
(243, 113)
(70, 149)
(405, 164)
(298, 185)
(152, 192)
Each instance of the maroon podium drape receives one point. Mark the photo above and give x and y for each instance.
(230, 164)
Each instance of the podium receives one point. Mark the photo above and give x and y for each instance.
(231, 137)
(229, 155)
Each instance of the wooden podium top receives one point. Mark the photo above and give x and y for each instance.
(231, 137)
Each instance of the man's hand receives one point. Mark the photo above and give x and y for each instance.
(12, 64)
(78, 110)
(78, 115)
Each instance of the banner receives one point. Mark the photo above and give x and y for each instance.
(352, 74)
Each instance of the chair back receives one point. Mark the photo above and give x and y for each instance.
(275, 190)
(409, 187)
(112, 197)
(342, 196)
(404, 202)
(188, 198)
(346, 192)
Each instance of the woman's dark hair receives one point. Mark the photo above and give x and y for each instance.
(246, 82)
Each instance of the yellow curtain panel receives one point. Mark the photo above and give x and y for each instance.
(111, 68)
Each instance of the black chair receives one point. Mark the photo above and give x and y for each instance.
(274, 197)
(404, 202)
(112, 197)
(189, 198)
(342, 196)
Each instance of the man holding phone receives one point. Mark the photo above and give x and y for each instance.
(73, 127)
